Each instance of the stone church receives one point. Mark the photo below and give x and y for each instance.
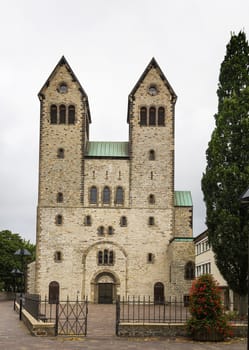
(109, 221)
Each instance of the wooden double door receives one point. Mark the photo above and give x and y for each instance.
(105, 293)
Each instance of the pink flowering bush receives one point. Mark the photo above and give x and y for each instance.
(207, 313)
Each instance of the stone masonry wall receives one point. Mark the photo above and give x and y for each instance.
(183, 222)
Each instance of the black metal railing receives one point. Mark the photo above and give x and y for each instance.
(146, 310)
(69, 316)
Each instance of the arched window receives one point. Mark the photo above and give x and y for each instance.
(100, 257)
(106, 195)
(53, 114)
(150, 258)
(59, 197)
(119, 195)
(123, 221)
(58, 219)
(62, 119)
(158, 293)
(152, 154)
(101, 230)
(88, 220)
(111, 260)
(71, 114)
(152, 116)
(106, 256)
(151, 199)
(54, 292)
(143, 116)
(161, 116)
(110, 230)
(189, 270)
(93, 195)
(60, 153)
(151, 221)
(57, 256)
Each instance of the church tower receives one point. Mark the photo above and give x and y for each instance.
(64, 130)
(151, 130)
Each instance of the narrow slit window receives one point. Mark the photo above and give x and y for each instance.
(123, 221)
(60, 197)
(88, 220)
(57, 256)
(152, 199)
(60, 153)
(151, 221)
(152, 154)
(58, 219)
(150, 258)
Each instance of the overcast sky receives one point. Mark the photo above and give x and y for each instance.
(108, 44)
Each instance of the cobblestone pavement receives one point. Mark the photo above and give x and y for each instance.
(15, 336)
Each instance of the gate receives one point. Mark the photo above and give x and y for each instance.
(71, 318)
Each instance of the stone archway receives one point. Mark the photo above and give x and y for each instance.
(105, 288)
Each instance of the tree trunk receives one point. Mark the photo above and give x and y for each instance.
(243, 305)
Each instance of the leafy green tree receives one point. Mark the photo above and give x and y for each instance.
(9, 244)
(227, 171)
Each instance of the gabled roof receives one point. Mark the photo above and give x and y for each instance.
(245, 196)
(106, 149)
(183, 199)
(153, 64)
(62, 62)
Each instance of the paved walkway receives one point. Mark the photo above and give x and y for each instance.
(15, 336)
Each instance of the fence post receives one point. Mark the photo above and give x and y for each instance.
(56, 317)
(20, 308)
(86, 303)
(117, 315)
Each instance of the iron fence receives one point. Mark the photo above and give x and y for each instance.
(69, 316)
(146, 310)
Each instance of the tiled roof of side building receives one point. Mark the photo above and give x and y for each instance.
(183, 199)
(107, 149)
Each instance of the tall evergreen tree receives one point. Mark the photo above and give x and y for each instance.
(227, 172)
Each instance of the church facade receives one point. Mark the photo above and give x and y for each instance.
(109, 221)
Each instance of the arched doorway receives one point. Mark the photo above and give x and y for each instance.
(158, 293)
(105, 289)
(54, 292)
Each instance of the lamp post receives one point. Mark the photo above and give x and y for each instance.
(15, 273)
(22, 252)
(244, 199)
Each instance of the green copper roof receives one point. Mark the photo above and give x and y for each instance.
(107, 149)
(183, 199)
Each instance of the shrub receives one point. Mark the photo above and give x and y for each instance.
(207, 312)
